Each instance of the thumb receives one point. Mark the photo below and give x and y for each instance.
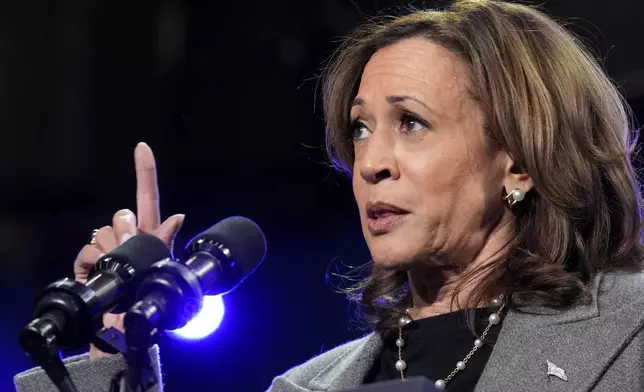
(169, 229)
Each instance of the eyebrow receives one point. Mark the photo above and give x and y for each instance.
(393, 99)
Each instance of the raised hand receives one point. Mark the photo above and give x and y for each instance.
(126, 224)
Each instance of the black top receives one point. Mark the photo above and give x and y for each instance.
(432, 347)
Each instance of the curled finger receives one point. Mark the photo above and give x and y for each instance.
(86, 259)
(105, 239)
(124, 225)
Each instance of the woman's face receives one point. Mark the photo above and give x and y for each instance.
(428, 184)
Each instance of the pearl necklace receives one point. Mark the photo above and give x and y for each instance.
(493, 319)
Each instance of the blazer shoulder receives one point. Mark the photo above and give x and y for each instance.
(301, 375)
(620, 288)
(317, 364)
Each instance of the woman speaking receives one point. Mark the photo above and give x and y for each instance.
(490, 159)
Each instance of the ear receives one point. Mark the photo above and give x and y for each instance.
(516, 177)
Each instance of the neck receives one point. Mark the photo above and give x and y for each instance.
(443, 287)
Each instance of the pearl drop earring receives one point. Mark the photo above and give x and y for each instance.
(515, 196)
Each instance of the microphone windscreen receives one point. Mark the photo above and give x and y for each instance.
(140, 252)
(244, 239)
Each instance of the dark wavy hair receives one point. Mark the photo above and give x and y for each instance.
(551, 107)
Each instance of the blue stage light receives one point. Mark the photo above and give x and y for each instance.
(206, 322)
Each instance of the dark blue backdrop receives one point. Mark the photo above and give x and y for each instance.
(224, 92)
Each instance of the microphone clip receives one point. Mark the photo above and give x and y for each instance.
(39, 340)
(110, 340)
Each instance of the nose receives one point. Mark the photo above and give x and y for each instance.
(377, 161)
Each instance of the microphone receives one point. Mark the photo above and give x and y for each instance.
(172, 293)
(220, 258)
(69, 312)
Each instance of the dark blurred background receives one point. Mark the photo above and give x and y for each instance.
(225, 93)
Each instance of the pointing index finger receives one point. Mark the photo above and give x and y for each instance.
(147, 189)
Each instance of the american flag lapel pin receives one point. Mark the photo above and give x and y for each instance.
(556, 371)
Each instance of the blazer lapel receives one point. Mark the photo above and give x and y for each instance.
(560, 351)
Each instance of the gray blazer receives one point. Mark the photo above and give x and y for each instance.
(599, 346)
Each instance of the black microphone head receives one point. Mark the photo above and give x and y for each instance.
(242, 237)
(130, 262)
(136, 254)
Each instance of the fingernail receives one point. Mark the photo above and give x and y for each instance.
(127, 216)
(180, 219)
(125, 237)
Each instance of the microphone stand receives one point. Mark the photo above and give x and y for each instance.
(139, 376)
(170, 297)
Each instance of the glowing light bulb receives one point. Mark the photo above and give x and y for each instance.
(205, 322)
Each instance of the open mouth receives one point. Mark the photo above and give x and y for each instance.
(379, 210)
(383, 217)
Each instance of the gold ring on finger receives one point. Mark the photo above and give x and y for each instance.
(94, 234)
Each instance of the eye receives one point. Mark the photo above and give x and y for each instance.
(359, 130)
(411, 123)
